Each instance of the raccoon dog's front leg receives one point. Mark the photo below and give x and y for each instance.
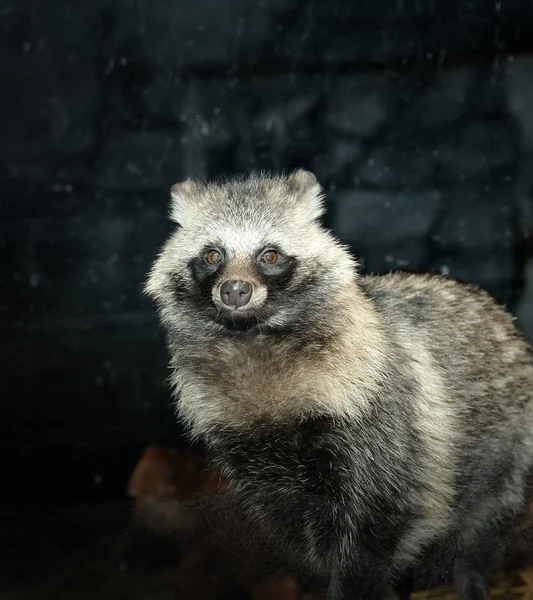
(471, 584)
(474, 563)
(481, 542)
(368, 581)
(404, 587)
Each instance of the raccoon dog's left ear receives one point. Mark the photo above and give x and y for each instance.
(182, 201)
(304, 185)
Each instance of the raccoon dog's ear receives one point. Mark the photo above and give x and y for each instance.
(304, 185)
(182, 201)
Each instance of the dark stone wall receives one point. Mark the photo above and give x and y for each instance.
(416, 116)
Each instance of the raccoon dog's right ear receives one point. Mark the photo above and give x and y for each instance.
(182, 201)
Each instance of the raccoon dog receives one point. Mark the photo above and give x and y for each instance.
(364, 420)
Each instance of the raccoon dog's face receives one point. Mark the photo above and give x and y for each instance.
(249, 255)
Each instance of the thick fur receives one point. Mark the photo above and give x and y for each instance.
(369, 422)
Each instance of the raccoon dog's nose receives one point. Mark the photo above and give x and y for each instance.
(236, 293)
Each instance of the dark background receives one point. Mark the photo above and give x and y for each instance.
(417, 117)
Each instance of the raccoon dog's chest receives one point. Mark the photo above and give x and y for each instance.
(302, 455)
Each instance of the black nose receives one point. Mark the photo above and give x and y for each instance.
(236, 293)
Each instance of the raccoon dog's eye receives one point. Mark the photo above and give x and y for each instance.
(270, 257)
(213, 257)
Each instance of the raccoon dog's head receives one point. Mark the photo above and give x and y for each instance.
(249, 255)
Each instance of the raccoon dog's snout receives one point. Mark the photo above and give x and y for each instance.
(236, 294)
